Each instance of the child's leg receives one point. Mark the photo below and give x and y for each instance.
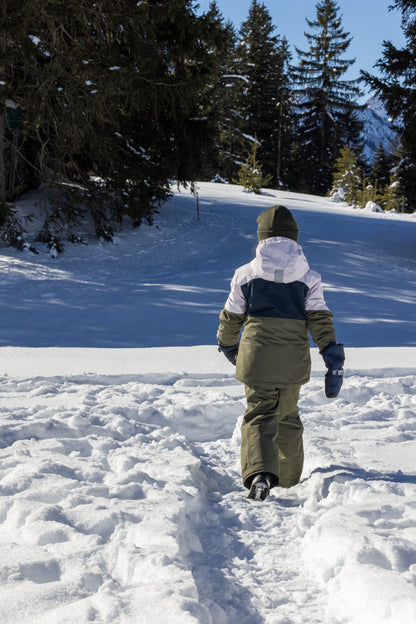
(289, 437)
(259, 451)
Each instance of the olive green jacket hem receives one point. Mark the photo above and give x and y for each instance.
(275, 351)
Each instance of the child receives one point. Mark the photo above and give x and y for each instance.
(276, 299)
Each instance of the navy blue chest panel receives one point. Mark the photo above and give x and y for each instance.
(275, 300)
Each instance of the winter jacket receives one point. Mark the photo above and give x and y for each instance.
(276, 299)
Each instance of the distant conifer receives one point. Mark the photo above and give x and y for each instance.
(326, 102)
(264, 102)
(397, 89)
(347, 177)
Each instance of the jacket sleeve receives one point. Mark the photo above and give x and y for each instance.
(319, 318)
(230, 327)
(321, 327)
(233, 315)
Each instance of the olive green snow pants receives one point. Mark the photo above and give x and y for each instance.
(271, 435)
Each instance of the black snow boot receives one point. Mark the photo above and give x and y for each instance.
(260, 487)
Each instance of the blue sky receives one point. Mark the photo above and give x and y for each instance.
(369, 22)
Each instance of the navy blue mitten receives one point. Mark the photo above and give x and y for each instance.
(334, 358)
(229, 352)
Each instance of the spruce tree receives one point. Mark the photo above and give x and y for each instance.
(224, 159)
(346, 184)
(264, 104)
(285, 120)
(396, 88)
(116, 95)
(326, 102)
(250, 175)
(381, 168)
(393, 198)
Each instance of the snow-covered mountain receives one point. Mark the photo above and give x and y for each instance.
(377, 128)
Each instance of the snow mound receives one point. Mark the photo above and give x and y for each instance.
(372, 207)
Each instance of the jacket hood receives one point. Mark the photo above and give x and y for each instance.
(281, 260)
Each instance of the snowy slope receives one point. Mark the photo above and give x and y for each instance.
(165, 285)
(121, 500)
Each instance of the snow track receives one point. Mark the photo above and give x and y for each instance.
(121, 502)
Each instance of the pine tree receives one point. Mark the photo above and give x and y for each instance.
(326, 106)
(285, 120)
(264, 105)
(250, 175)
(392, 197)
(224, 159)
(346, 184)
(381, 167)
(405, 179)
(15, 61)
(397, 90)
(116, 95)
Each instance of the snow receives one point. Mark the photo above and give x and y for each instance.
(372, 207)
(378, 128)
(121, 499)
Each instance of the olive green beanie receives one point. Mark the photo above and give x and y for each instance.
(277, 221)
